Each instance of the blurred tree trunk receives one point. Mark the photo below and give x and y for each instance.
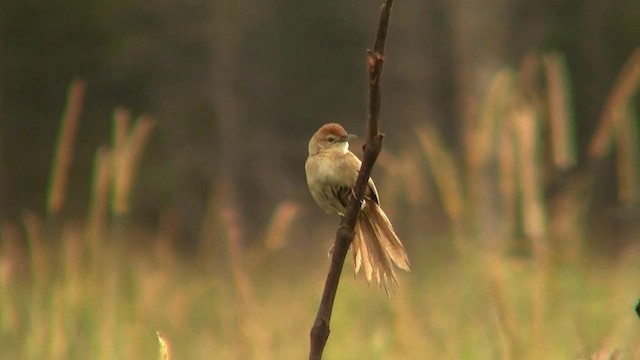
(418, 69)
(478, 41)
(226, 45)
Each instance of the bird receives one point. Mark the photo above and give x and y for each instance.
(331, 172)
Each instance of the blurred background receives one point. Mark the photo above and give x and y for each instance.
(152, 177)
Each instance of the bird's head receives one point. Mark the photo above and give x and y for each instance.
(330, 137)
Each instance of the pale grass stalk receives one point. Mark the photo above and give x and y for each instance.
(136, 143)
(414, 182)
(389, 163)
(277, 232)
(11, 257)
(534, 219)
(165, 353)
(234, 239)
(108, 304)
(121, 128)
(405, 324)
(36, 332)
(73, 256)
(39, 293)
(507, 173)
(492, 111)
(251, 331)
(58, 339)
(99, 205)
(121, 125)
(127, 162)
(64, 148)
(391, 185)
(539, 339)
(625, 86)
(627, 151)
(504, 310)
(448, 181)
(11, 250)
(531, 188)
(561, 120)
(480, 151)
(38, 249)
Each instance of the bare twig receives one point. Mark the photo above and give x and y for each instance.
(344, 235)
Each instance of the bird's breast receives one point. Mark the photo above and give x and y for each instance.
(327, 170)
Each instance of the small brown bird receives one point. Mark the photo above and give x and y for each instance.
(332, 171)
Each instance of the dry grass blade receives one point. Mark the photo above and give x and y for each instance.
(100, 194)
(137, 141)
(626, 131)
(504, 309)
(625, 86)
(234, 240)
(531, 189)
(64, 147)
(560, 112)
(493, 110)
(121, 125)
(447, 178)
(11, 253)
(58, 338)
(534, 217)
(412, 177)
(165, 354)
(280, 225)
(127, 154)
(507, 166)
(38, 252)
(11, 257)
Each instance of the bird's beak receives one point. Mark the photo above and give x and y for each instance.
(348, 137)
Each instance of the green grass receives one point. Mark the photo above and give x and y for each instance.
(471, 306)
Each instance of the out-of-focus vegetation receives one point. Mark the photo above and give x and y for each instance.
(510, 171)
(237, 87)
(72, 303)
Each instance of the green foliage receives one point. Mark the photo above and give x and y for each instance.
(463, 307)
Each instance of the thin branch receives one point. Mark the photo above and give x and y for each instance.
(344, 235)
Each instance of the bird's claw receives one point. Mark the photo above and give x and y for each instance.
(353, 195)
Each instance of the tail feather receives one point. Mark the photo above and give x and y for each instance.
(362, 252)
(376, 248)
(388, 238)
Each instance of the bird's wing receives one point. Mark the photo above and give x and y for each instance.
(371, 193)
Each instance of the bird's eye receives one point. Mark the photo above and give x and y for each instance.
(331, 139)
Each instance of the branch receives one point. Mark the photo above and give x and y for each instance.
(344, 235)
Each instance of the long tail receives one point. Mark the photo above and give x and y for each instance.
(376, 248)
